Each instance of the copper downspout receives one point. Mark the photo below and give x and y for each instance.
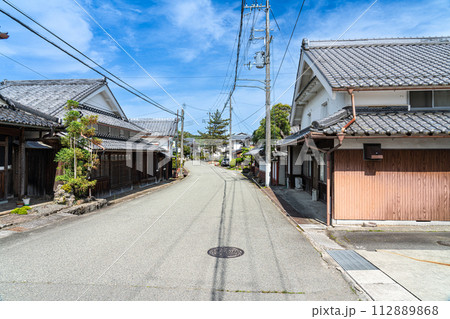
(328, 154)
(350, 91)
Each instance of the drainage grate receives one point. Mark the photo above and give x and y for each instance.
(444, 243)
(225, 252)
(351, 260)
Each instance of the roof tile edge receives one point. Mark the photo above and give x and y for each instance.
(309, 44)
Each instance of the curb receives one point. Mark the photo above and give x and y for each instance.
(7, 212)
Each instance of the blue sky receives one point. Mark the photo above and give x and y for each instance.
(188, 46)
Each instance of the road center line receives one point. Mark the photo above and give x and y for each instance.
(136, 240)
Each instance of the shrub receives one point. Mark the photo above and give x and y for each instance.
(233, 163)
(21, 210)
(67, 188)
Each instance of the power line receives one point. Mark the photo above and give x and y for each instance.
(322, 54)
(289, 42)
(78, 51)
(24, 66)
(129, 55)
(134, 60)
(226, 74)
(85, 64)
(237, 58)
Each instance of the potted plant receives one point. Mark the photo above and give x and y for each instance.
(26, 200)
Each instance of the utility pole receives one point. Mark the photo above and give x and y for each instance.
(263, 60)
(268, 125)
(231, 139)
(182, 139)
(176, 150)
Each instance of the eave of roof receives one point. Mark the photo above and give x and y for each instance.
(381, 64)
(378, 122)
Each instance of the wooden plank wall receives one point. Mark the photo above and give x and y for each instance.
(40, 171)
(405, 185)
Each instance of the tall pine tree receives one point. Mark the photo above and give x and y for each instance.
(216, 130)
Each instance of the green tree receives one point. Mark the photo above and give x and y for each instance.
(186, 151)
(279, 120)
(215, 130)
(77, 158)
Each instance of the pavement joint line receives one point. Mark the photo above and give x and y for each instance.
(268, 291)
(139, 237)
(416, 259)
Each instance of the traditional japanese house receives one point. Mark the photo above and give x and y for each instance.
(126, 161)
(26, 151)
(160, 133)
(371, 122)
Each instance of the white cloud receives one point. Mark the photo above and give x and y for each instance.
(201, 25)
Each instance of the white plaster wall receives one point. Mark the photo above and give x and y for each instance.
(315, 106)
(398, 143)
(164, 142)
(378, 98)
(99, 101)
(338, 100)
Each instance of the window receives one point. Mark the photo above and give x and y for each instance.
(114, 131)
(423, 99)
(103, 130)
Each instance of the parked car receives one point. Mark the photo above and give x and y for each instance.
(225, 162)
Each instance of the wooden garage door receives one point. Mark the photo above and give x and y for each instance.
(405, 185)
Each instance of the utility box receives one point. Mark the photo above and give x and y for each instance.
(373, 152)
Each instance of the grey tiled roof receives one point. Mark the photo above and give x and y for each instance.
(109, 118)
(158, 127)
(240, 137)
(49, 96)
(10, 115)
(292, 139)
(122, 145)
(382, 62)
(389, 121)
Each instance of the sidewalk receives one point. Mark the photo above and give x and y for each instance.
(388, 263)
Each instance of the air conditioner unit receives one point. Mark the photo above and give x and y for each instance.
(298, 183)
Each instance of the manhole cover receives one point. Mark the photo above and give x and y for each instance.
(444, 243)
(225, 252)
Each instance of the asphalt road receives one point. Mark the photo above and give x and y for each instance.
(155, 248)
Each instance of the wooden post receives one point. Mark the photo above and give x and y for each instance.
(328, 190)
(6, 166)
(22, 156)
